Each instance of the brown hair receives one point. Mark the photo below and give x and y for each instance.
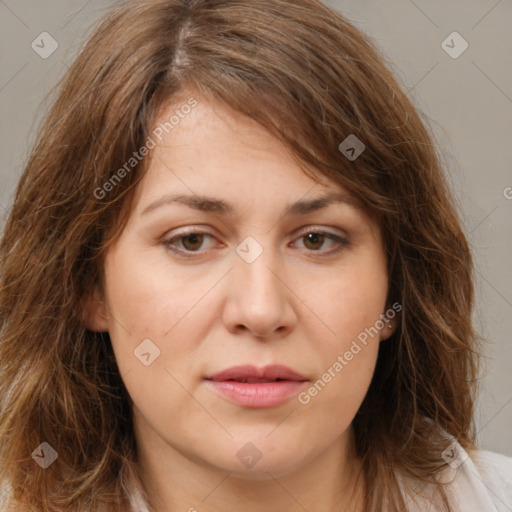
(306, 74)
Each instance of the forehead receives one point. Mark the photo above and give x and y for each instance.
(213, 148)
(218, 160)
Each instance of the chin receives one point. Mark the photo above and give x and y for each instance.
(260, 460)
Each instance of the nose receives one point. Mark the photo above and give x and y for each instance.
(260, 297)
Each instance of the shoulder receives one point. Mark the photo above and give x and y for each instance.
(475, 481)
(492, 473)
(478, 480)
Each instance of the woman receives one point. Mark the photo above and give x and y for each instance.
(233, 278)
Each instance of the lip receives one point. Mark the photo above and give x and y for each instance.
(232, 384)
(270, 372)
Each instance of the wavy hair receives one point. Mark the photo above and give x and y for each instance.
(306, 74)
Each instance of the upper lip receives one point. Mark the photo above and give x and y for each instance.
(244, 372)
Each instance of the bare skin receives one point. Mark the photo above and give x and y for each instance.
(300, 303)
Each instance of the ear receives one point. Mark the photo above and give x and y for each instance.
(388, 329)
(94, 313)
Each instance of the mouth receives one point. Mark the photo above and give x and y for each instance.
(252, 381)
(252, 374)
(252, 387)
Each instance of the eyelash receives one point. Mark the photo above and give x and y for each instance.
(342, 242)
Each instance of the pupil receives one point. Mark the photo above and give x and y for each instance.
(314, 238)
(194, 238)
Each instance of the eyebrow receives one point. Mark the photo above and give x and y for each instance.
(214, 205)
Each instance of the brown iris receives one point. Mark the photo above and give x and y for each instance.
(314, 238)
(196, 241)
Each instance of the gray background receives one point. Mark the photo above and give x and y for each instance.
(467, 101)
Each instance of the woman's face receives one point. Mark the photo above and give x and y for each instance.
(271, 276)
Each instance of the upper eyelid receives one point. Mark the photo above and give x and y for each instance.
(313, 229)
(335, 237)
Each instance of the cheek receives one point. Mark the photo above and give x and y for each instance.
(332, 401)
(149, 300)
(347, 364)
(147, 307)
(349, 305)
(349, 308)
(145, 297)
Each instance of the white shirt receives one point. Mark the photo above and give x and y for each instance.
(480, 483)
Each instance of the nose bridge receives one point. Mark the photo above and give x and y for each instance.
(259, 299)
(258, 268)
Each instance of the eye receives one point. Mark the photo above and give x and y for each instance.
(191, 241)
(315, 239)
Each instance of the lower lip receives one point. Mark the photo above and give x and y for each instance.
(256, 394)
